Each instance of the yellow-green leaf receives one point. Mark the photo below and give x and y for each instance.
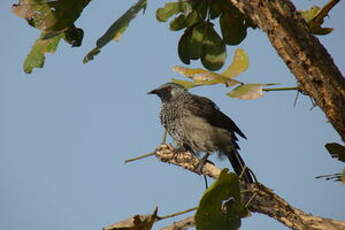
(308, 15)
(36, 57)
(116, 30)
(204, 77)
(315, 17)
(188, 72)
(171, 8)
(240, 63)
(186, 84)
(321, 30)
(247, 91)
(179, 22)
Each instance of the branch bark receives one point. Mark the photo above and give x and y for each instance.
(302, 52)
(186, 223)
(265, 201)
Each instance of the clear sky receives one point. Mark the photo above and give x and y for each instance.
(67, 129)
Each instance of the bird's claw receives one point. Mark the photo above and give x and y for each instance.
(200, 167)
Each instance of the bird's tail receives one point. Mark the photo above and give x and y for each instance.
(240, 167)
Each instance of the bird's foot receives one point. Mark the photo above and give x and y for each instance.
(202, 163)
(200, 167)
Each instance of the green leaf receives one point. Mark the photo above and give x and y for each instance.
(321, 30)
(201, 7)
(183, 46)
(196, 15)
(50, 16)
(172, 8)
(233, 27)
(342, 178)
(220, 207)
(213, 49)
(183, 21)
(116, 30)
(216, 8)
(336, 150)
(74, 36)
(178, 23)
(36, 57)
(196, 41)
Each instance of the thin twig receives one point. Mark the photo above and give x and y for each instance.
(176, 214)
(140, 157)
(164, 139)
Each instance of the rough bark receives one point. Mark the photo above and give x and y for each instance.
(302, 52)
(262, 199)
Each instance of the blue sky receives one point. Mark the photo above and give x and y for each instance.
(67, 129)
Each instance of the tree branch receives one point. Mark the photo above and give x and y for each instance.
(182, 224)
(265, 200)
(302, 52)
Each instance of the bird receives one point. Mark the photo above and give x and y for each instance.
(197, 125)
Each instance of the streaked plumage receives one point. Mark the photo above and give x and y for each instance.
(197, 124)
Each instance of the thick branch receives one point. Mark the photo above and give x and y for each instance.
(303, 53)
(265, 201)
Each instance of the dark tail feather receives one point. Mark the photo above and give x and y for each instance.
(239, 166)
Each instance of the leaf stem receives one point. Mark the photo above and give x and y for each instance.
(280, 89)
(164, 139)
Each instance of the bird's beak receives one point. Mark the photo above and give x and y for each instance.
(155, 91)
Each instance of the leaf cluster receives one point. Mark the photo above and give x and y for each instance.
(56, 20)
(200, 40)
(240, 63)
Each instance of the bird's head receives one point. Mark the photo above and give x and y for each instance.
(169, 91)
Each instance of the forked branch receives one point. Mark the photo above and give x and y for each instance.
(265, 200)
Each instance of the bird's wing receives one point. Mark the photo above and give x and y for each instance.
(208, 110)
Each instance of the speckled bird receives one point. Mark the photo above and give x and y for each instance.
(197, 125)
